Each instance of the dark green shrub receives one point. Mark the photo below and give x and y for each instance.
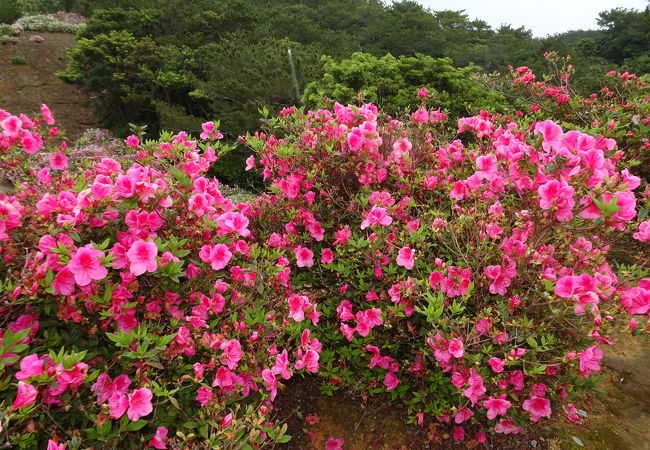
(18, 60)
(10, 11)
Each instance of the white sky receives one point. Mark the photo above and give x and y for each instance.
(543, 17)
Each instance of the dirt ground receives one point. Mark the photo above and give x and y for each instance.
(23, 88)
(619, 420)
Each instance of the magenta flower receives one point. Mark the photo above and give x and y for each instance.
(139, 404)
(250, 162)
(142, 257)
(11, 126)
(160, 438)
(463, 414)
(58, 161)
(406, 257)
(507, 426)
(218, 255)
(30, 366)
(551, 132)
(223, 378)
(390, 381)
(25, 396)
(376, 216)
(557, 194)
(298, 304)
(86, 266)
(327, 256)
(118, 404)
(538, 407)
(51, 445)
(496, 364)
(496, 406)
(488, 168)
(233, 222)
(456, 348)
(304, 257)
(643, 234)
(334, 444)
(132, 141)
(589, 360)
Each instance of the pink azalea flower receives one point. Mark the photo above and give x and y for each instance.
(208, 129)
(86, 266)
(30, 366)
(463, 415)
(51, 445)
(496, 364)
(250, 163)
(25, 396)
(590, 359)
(643, 234)
(496, 406)
(636, 300)
(118, 404)
(232, 353)
(218, 255)
(11, 126)
(406, 257)
(459, 433)
(204, 395)
(551, 132)
(334, 444)
(233, 222)
(557, 194)
(507, 426)
(142, 257)
(160, 438)
(488, 167)
(377, 216)
(327, 256)
(132, 141)
(304, 257)
(538, 407)
(476, 388)
(58, 161)
(309, 361)
(456, 348)
(139, 404)
(390, 381)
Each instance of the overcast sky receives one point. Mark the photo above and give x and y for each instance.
(543, 17)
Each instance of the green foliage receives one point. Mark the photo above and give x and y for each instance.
(626, 35)
(10, 11)
(392, 83)
(7, 30)
(172, 64)
(18, 60)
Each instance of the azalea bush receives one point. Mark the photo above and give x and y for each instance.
(463, 271)
(137, 308)
(620, 109)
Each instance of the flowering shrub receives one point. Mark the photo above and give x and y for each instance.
(619, 110)
(465, 273)
(137, 306)
(59, 22)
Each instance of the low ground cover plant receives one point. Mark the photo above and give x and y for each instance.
(461, 270)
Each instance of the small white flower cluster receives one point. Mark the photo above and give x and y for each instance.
(48, 22)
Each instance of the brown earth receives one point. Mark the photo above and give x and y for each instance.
(617, 420)
(23, 88)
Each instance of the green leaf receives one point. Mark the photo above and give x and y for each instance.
(135, 426)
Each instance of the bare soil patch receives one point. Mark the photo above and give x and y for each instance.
(23, 88)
